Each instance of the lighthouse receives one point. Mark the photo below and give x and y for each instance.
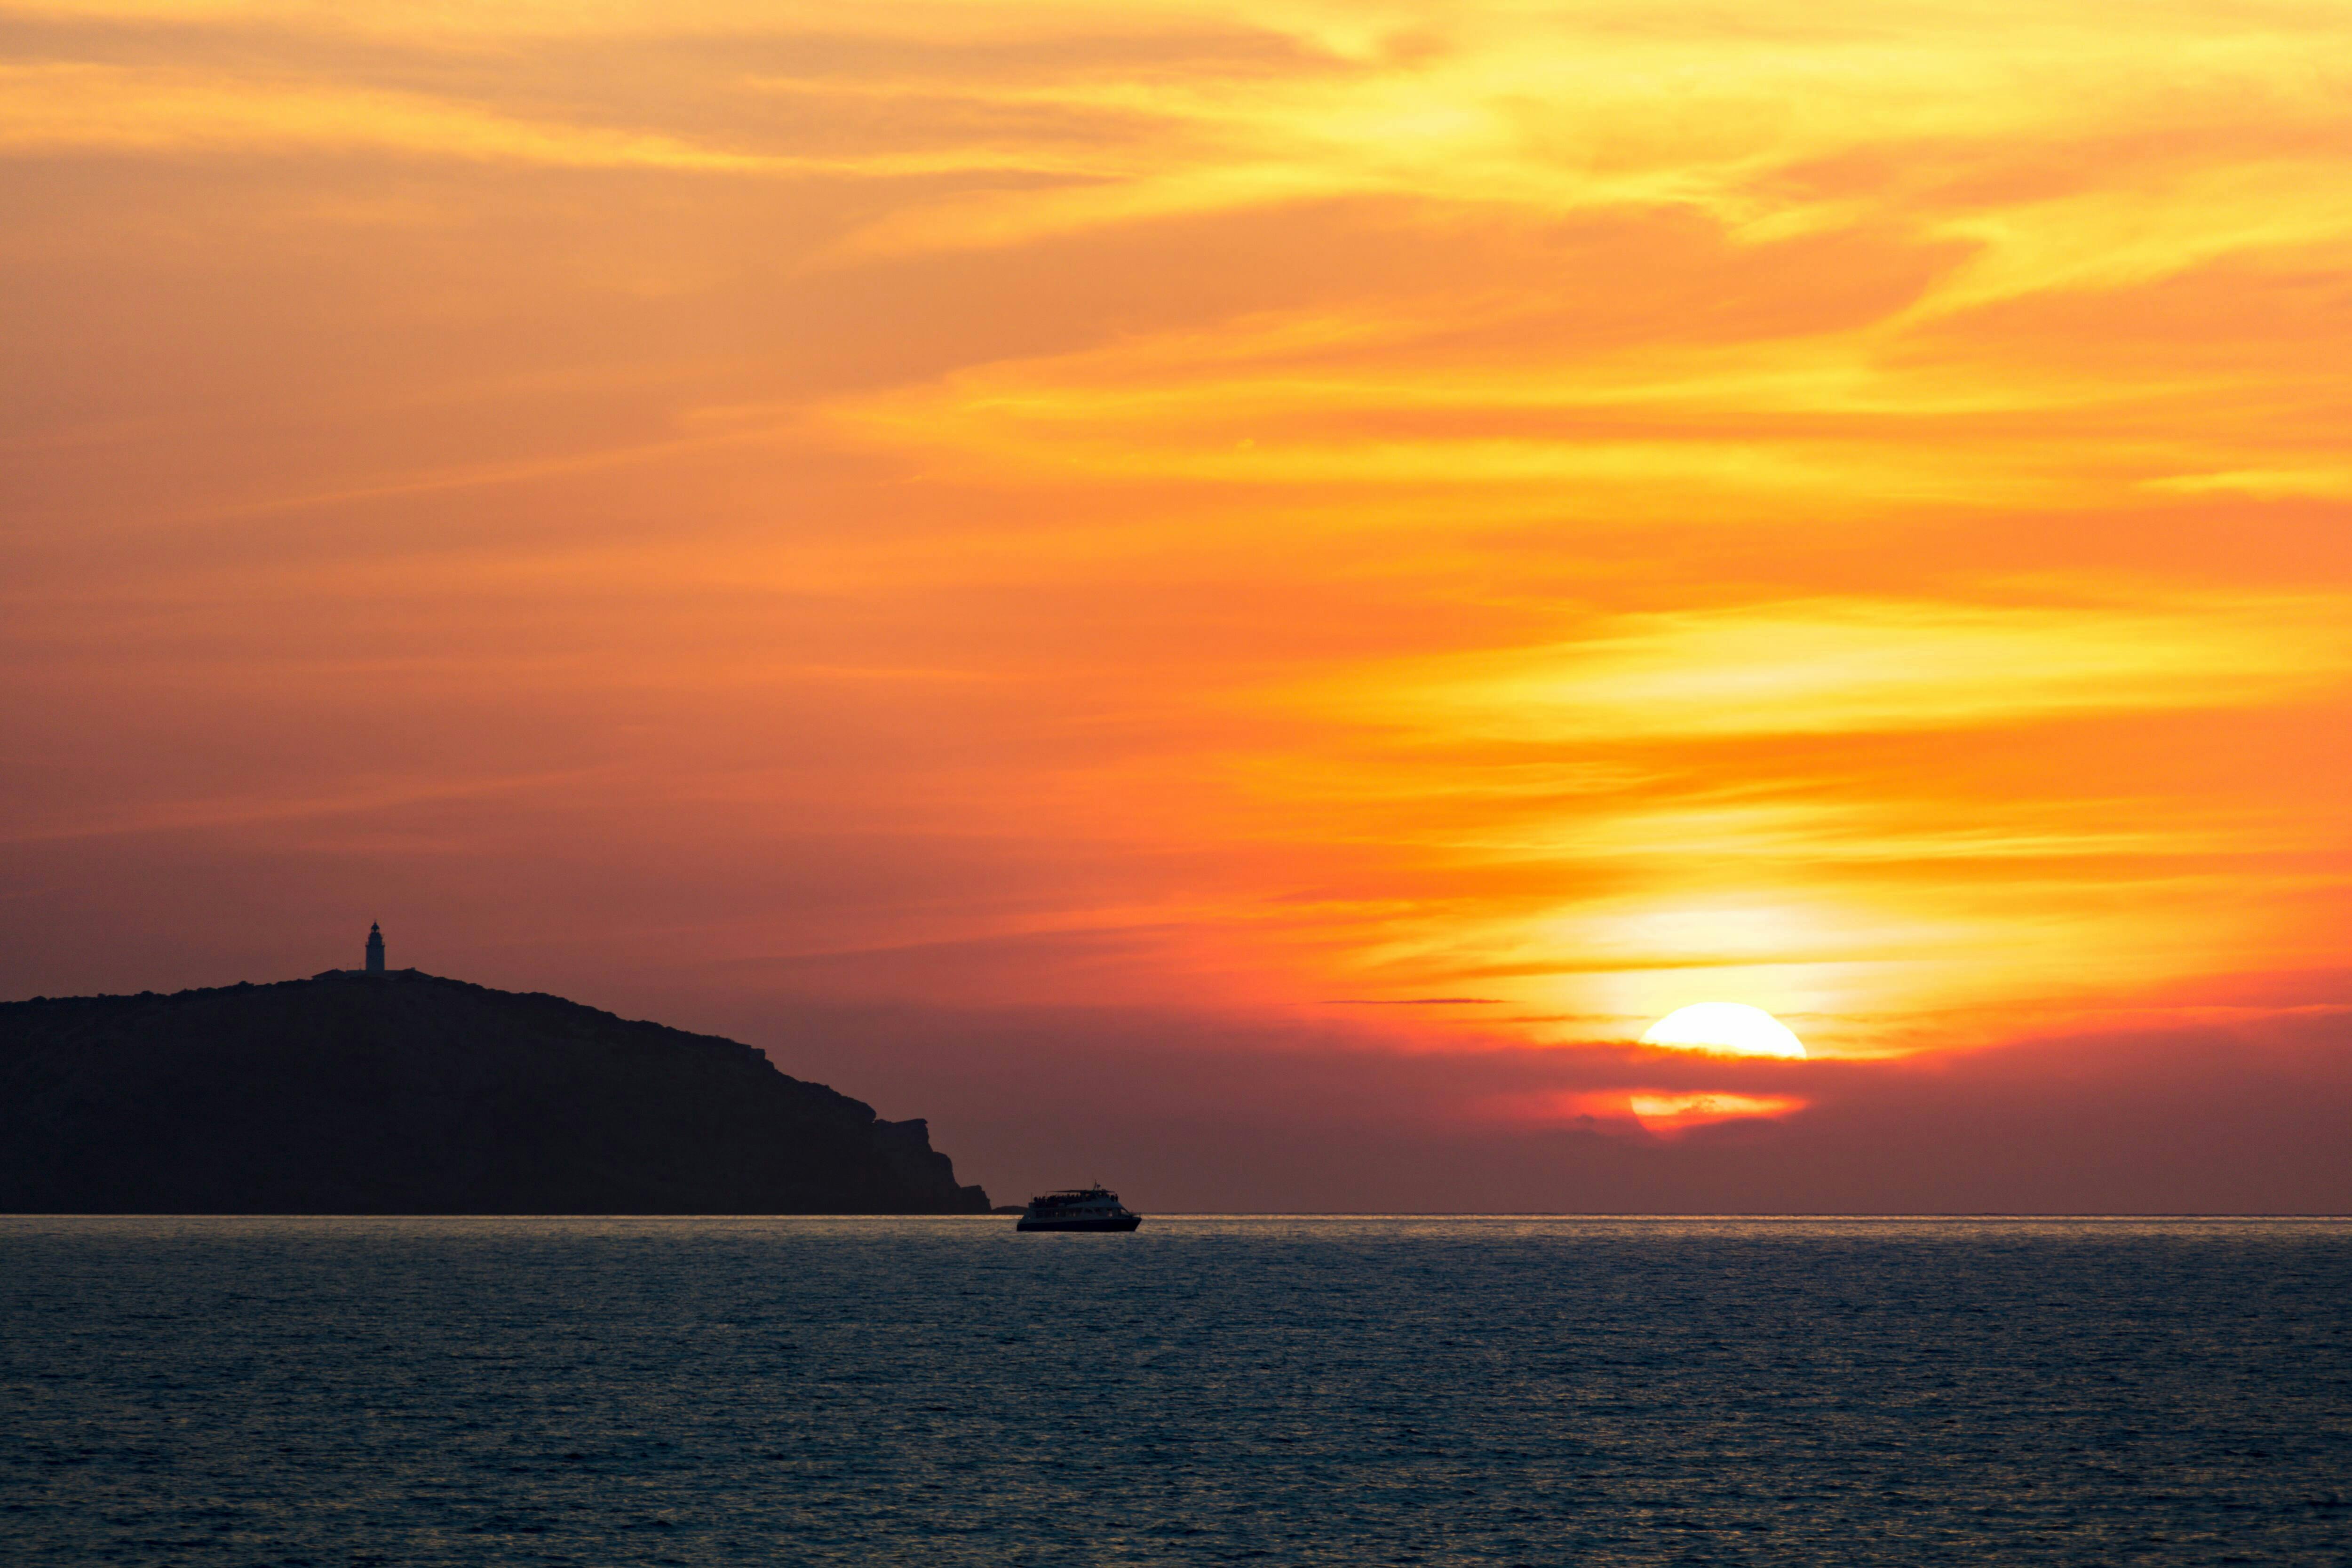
(374, 949)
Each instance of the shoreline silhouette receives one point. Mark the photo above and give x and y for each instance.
(402, 1092)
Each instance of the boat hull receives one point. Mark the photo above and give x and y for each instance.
(1112, 1222)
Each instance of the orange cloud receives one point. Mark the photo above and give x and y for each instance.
(1192, 505)
(1660, 1114)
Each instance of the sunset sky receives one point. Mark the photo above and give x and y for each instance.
(1237, 597)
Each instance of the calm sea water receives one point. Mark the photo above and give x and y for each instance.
(1208, 1390)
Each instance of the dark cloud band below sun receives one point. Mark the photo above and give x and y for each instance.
(1214, 1115)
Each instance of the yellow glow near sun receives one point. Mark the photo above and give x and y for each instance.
(1677, 1112)
(1731, 1028)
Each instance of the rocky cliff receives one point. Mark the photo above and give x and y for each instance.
(405, 1093)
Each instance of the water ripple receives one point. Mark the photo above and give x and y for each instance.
(1212, 1389)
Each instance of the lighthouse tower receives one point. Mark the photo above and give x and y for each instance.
(374, 949)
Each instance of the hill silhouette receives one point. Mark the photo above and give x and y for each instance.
(406, 1093)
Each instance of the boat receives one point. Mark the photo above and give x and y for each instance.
(1079, 1208)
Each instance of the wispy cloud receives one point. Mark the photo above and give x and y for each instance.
(1827, 666)
(1514, 519)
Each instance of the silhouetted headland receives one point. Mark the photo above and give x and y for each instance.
(405, 1093)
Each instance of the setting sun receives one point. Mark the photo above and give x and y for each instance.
(1729, 1029)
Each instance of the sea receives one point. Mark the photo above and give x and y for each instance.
(1210, 1389)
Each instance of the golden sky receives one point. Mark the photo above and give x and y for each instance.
(1545, 513)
